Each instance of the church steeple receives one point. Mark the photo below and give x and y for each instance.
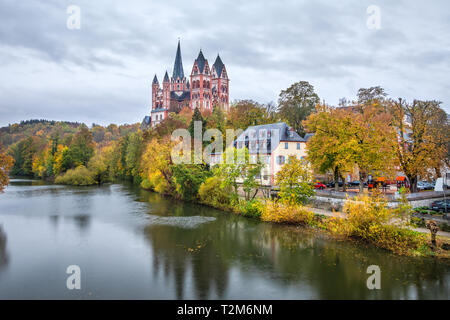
(178, 65)
(201, 61)
(166, 78)
(218, 65)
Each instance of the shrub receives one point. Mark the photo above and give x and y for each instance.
(369, 219)
(252, 208)
(418, 222)
(80, 176)
(212, 192)
(146, 184)
(291, 214)
(155, 182)
(444, 227)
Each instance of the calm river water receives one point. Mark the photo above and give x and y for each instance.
(133, 244)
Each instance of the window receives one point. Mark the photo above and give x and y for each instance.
(280, 160)
(267, 159)
(286, 145)
(298, 146)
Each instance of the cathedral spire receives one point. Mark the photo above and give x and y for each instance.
(218, 65)
(166, 77)
(155, 80)
(178, 65)
(201, 61)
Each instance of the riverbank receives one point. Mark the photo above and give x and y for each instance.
(399, 240)
(155, 247)
(370, 222)
(319, 212)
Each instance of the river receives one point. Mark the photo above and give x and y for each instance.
(134, 244)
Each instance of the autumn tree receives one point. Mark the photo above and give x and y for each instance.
(422, 137)
(296, 103)
(373, 142)
(246, 113)
(331, 146)
(295, 181)
(6, 163)
(345, 138)
(157, 166)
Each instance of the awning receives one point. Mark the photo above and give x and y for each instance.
(381, 179)
(401, 178)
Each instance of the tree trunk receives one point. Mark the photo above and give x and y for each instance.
(433, 227)
(336, 179)
(361, 182)
(438, 172)
(344, 186)
(412, 183)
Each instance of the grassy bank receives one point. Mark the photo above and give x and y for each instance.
(368, 220)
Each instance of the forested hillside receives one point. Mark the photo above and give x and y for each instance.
(29, 142)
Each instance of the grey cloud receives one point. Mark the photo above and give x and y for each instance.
(102, 72)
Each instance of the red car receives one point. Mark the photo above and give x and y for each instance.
(320, 186)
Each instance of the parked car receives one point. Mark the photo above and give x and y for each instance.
(320, 186)
(441, 206)
(424, 185)
(331, 184)
(356, 183)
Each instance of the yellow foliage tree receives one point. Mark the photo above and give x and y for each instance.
(6, 163)
(156, 163)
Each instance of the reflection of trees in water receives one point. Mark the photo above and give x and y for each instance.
(82, 221)
(177, 251)
(297, 259)
(4, 258)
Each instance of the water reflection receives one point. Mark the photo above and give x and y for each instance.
(288, 257)
(155, 247)
(4, 258)
(82, 221)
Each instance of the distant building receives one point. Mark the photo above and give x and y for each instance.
(207, 87)
(273, 144)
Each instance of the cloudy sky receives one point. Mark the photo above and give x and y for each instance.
(102, 72)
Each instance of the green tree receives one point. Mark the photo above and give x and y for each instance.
(237, 169)
(133, 153)
(296, 103)
(197, 116)
(370, 95)
(23, 153)
(81, 149)
(188, 178)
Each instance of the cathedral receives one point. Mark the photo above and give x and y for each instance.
(206, 88)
